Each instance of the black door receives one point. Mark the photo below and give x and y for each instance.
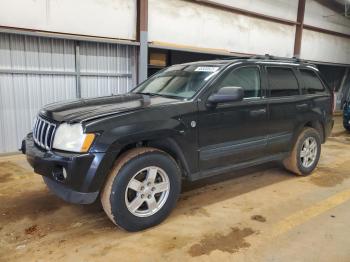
(286, 106)
(235, 132)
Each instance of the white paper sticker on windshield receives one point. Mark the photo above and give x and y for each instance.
(206, 69)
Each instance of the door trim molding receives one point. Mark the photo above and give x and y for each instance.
(230, 168)
(231, 148)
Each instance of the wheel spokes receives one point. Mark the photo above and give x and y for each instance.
(161, 187)
(147, 191)
(135, 185)
(152, 174)
(136, 203)
(303, 153)
(152, 203)
(307, 143)
(313, 145)
(306, 161)
(308, 152)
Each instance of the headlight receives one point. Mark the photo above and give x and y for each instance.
(71, 138)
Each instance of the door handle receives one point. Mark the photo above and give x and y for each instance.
(302, 106)
(258, 112)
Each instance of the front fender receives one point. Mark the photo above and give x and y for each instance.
(170, 136)
(115, 137)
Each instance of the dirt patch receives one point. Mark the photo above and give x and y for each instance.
(197, 211)
(340, 133)
(29, 204)
(336, 147)
(31, 230)
(9, 168)
(329, 177)
(7, 177)
(104, 251)
(231, 242)
(24, 196)
(258, 218)
(174, 243)
(327, 180)
(340, 139)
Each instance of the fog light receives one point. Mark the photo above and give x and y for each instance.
(64, 173)
(59, 174)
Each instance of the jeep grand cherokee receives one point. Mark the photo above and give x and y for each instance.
(189, 121)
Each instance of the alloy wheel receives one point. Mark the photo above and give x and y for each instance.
(147, 191)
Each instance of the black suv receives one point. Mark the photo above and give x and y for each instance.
(189, 121)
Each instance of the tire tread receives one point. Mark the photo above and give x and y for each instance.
(121, 161)
(291, 162)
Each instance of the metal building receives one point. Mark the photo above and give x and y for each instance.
(57, 50)
(35, 71)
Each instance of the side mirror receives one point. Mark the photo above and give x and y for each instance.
(226, 94)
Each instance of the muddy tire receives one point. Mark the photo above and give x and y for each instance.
(142, 189)
(305, 154)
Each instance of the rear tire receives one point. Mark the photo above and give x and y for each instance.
(305, 154)
(142, 189)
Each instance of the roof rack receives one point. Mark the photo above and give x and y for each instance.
(269, 57)
(234, 57)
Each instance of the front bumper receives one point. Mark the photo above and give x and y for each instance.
(68, 194)
(70, 176)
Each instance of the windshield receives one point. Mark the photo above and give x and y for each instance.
(180, 81)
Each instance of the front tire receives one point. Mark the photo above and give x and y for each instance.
(141, 189)
(305, 153)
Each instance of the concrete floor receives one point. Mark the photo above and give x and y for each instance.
(260, 214)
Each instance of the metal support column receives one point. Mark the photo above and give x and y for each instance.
(299, 28)
(142, 37)
(77, 69)
(342, 93)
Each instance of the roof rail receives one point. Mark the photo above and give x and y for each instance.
(268, 57)
(234, 57)
(271, 57)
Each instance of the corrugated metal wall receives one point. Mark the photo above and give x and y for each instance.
(106, 69)
(36, 71)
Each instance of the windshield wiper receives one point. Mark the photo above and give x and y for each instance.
(157, 94)
(147, 93)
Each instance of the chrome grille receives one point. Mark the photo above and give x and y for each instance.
(43, 132)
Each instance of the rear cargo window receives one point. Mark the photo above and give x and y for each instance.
(282, 82)
(312, 84)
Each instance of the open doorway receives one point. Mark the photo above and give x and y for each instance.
(161, 58)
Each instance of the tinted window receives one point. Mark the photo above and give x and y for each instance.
(181, 81)
(246, 77)
(312, 83)
(282, 82)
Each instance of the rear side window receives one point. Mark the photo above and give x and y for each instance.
(312, 84)
(282, 82)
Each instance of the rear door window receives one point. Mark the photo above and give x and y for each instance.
(312, 84)
(282, 82)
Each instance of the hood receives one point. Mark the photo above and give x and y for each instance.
(87, 109)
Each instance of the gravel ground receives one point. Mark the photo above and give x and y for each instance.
(258, 214)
